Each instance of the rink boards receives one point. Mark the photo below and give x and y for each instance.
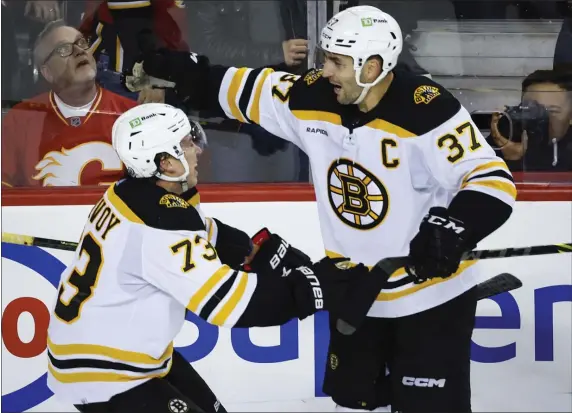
(522, 344)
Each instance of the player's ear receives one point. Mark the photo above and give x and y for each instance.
(372, 69)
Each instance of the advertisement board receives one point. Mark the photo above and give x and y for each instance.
(522, 341)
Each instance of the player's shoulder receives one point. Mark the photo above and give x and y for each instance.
(417, 104)
(156, 207)
(313, 92)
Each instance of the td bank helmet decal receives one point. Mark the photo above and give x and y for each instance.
(49, 267)
(358, 197)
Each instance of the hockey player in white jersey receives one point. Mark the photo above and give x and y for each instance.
(399, 169)
(146, 256)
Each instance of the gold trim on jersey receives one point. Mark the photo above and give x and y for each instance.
(232, 94)
(210, 228)
(207, 287)
(121, 206)
(102, 376)
(255, 109)
(220, 318)
(390, 296)
(126, 356)
(505, 187)
(194, 200)
(92, 109)
(318, 115)
(482, 167)
(388, 127)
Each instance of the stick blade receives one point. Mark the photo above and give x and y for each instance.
(499, 284)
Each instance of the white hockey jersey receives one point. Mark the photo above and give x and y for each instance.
(375, 175)
(143, 260)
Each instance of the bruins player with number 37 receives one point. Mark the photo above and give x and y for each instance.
(147, 256)
(399, 169)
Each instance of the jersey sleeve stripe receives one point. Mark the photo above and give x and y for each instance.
(506, 187)
(246, 94)
(114, 353)
(122, 5)
(222, 315)
(217, 297)
(84, 377)
(255, 105)
(212, 230)
(485, 167)
(498, 173)
(86, 363)
(207, 287)
(233, 92)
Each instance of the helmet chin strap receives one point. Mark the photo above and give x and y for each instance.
(367, 86)
(182, 179)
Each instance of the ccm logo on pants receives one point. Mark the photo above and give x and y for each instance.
(422, 382)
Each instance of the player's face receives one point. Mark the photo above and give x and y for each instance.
(192, 152)
(68, 61)
(339, 70)
(558, 102)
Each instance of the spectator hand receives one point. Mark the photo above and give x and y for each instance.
(43, 10)
(151, 95)
(512, 151)
(295, 51)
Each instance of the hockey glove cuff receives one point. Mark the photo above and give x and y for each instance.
(232, 244)
(437, 249)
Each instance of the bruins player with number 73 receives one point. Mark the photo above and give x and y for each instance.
(399, 169)
(146, 256)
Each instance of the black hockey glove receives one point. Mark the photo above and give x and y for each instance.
(275, 255)
(325, 285)
(437, 249)
(188, 71)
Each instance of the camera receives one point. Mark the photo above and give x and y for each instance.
(529, 116)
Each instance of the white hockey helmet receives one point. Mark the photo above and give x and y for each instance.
(362, 32)
(145, 131)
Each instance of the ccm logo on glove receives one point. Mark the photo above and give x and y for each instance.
(446, 223)
(316, 288)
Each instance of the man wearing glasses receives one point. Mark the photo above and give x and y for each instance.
(62, 137)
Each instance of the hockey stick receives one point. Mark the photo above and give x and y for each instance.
(38, 242)
(501, 283)
(390, 265)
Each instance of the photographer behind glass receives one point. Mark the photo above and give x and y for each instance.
(536, 135)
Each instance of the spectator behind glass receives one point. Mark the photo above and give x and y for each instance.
(119, 28)
(546, 142)
(251, 34)
(63, 137)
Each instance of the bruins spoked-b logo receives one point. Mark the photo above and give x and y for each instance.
(178, 406)
(357, 197)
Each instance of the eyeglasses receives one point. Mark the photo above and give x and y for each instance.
(66, 49)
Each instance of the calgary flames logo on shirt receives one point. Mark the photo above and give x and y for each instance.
(66, 167)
